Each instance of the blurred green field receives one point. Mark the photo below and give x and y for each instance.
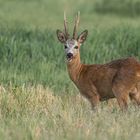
(37, 98)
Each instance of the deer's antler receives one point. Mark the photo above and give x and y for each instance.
(77, 19)
(65, 26)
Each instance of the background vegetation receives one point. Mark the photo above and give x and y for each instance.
(37, 98)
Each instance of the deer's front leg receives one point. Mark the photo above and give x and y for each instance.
(93, 97)
(94, 100)
(89, 91)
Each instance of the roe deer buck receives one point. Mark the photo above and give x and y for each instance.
(118, 79)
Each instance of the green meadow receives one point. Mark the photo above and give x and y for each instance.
(38, 101)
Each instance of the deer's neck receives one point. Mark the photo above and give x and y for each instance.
(74, 68)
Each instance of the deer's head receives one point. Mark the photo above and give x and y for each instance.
(71, 45)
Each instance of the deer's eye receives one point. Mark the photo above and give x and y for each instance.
(65, 47)
(76, 47)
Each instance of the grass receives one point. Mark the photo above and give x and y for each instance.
(36, 113)
(37, 98)
(29, 56)
(119, 7)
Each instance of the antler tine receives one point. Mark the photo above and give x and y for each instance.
(77, 19)
(65, 26)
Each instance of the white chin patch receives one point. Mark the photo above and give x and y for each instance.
(69, 60)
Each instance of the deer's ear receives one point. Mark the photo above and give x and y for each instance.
(61, 36)
(82, 37)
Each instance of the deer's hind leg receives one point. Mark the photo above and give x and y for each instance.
(122, 99)
(135, 95)
(121, 94)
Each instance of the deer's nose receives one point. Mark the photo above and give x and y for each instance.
(69, 55)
